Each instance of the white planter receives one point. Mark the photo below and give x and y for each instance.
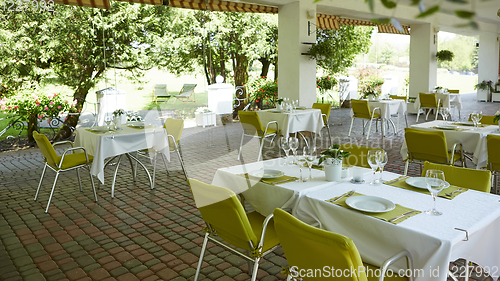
(482, 95)
(333, 172)
(205, 119)
(411, 108)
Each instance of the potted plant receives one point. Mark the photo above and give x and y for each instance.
(370, 94)
(484, 90)
(204, 117)
(444, 55)
(332, 158)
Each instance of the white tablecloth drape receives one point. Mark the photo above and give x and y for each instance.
(264, 198)
(104, 145)
(389, 107)
(297, 121)
(433, 241)
(473, 141)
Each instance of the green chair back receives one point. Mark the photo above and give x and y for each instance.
(486, 119)
(464, 177)
(428, 100)
(307, 247)
(361, 109)
(174, 127)
(325, 109)
(395, 97)
(427, 145)
(47, 149)
(187, 90)
(250, 122)
(493, 145)
(161, 90)
(453, 91)
(358, 155)
(221, 209)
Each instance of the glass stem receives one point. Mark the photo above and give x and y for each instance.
(434, 199)
(300, 168)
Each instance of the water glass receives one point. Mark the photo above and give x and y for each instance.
(294, 145)
(301, 161)
(374, 162)
(445, 112)
(310, 154)
(108, 122)
(383, 160)
(434, 180)
(286, 148)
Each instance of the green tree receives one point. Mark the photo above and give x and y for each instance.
(79, 45)
(388, 53)
(463, 49)
(335, 50)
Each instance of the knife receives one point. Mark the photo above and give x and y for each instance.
(281, 181)
(402, 216)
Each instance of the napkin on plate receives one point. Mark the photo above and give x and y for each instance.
(398, 210)
(274, 181)
(401, 183)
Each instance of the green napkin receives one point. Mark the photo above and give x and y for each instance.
(456, 129)
(387, 216)
(472, 125)
(96, 132)
(401, 183)
(274, 181)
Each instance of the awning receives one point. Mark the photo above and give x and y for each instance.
(150, 2)
(102, 4)
(334, 22)
(222, 6)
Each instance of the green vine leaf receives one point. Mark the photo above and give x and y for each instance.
(388, 4)
(382, 21)
(464, 14)
(429, 12)
(458, 1)
(415, 2)
(371, 4)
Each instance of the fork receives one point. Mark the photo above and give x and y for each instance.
(453, 192)
(351, 193)
(403, 215)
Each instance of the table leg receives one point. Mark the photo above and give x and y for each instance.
(144, 167)
(131, 166)
(114, 177)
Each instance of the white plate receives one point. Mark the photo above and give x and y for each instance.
(300, 107)
(136, 125)
(466, 123)
(99, 129)
(370, 204)
(447, 127)
(419, 182)
(266, 174)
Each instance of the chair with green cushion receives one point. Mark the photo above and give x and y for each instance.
(493, 145)
(160, 91)
(325, 113)
(66, 162)
(464, 177)
(358, 155)
(361, 109)
(225, 217)
(252, 127)
(428, 101)
(309, 248)
(405, 98)
(486, 120)
(430, 146)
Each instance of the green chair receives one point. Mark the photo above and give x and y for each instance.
(252, 127)
(430, 146)
(66, 162)
(309, 248)
(361, 109)
(185, 93)
(160, 91)
(486, 119)
(405, 98)
(325, 114)
(428, 101)
(479, 180)
(225, 217)
(493, 146)
(358, 155)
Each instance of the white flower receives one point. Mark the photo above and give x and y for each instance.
(498, 112)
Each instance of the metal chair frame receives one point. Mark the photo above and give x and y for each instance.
(420, 162)
(58, 170)
(369, 127)
(261, 139)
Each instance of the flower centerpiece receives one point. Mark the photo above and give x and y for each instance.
(263, 92)
(332, 158)
(117, 118)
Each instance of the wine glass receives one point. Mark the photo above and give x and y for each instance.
(383, 160)
(479, 117)
(286, 148)
(445, 112)
(310, 154)
(108, 121)
(301, 161)
(475, 117)
(434, 180)
(374, 162)
(294, 145)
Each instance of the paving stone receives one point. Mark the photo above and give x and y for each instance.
(118, 271)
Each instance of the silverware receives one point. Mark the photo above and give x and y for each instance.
(396, 180)
(402, 216)
(276, 182)
(350, 193)
(453, 192)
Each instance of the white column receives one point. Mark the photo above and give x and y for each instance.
(488, 58)
(423, 63)
(296, 72)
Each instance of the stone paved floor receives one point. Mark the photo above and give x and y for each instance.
(142, 234)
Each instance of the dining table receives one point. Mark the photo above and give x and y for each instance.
(447, 100)
(388, 108)
(467, 229)
(297, 120)
(102, 143)
(472, 140)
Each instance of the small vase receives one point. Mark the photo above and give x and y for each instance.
(371, 97)
(118, 122)
(333, 171)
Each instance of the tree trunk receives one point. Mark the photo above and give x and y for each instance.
(265, 66)
(276, 71)
(222, 64)
(241, 70)
(32, 127)
(66, 130)
(207, 76)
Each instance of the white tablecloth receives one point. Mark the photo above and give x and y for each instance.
(264, 198)
(473, 141)
(297, 121)
(389, 107)
(104, 145)
(446, 99)
(433, 241)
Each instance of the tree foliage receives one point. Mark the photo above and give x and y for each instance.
(463, 48)
(335, 50)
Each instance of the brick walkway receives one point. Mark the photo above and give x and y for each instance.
(142, 234)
